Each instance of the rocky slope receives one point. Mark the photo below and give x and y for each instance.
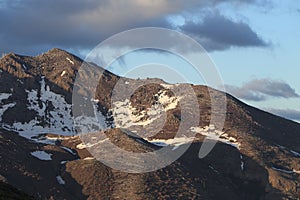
(257, 156)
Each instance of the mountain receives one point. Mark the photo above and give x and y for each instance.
(43, 157)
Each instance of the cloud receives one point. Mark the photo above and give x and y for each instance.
(286, 113)
(261, 89)
(217, 32)
(33, 25)
(239, 92)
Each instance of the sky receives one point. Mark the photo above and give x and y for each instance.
(254, 44)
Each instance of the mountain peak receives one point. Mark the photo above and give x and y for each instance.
(10, 56)
(56, 53)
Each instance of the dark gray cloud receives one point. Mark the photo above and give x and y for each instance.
(239, 92)
(32, 26)
(286, 113)
(217, 32)
(261, 89)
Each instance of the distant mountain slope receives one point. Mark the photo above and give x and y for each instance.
(257, 156)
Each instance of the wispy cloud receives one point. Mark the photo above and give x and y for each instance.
(262, 89)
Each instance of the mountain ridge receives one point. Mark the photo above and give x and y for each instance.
(262, 149)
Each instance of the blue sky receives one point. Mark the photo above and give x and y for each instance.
(280, 26)
(253, 43)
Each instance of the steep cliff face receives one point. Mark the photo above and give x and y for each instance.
(256, 157)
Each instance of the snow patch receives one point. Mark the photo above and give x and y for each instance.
(286, 170)
(126, 116)
(292, 151)
(168, 102)
(63, 162)
(95, 100)
(283, 170)
(45, 139)
(295, 153)
(159, 142)
(42, 155)
(33, 100)
(212, 168)
(60, 180)
(69, 150)
(169, 86)
(4, 96)
(5, 107)
(211, 133)
(296, 171)
(88, 124)
(89, 145)
(57, 120)
(21, 82)
(89, 158)
(70, 61)
(242, 163)
(81, 146)
(63, 73)
(175, 142)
